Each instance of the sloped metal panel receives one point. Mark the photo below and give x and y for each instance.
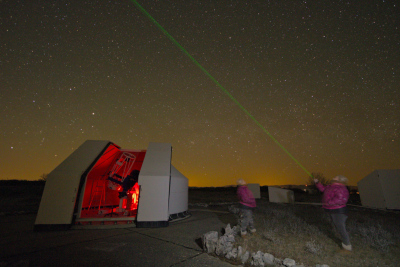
(178, 193)
(371, 193)
(62, 184)
(154, 182)
(390, 182)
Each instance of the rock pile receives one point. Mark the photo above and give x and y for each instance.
(224, 246)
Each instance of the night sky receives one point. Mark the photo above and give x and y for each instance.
(322, 77)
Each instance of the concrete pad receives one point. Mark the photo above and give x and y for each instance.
(29, 241)
(131, 249)
(204, 260)
(188, 232)
(179, 244)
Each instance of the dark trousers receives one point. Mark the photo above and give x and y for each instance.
(246, 219)
(339, 220)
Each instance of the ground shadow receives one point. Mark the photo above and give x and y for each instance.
(199, 242)
(316, 216)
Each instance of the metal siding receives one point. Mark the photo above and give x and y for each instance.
(255, 189)
(154, 181)
(178, 193)
(153, 199)
(390, 181)
(279, 195)
(62, 184)
(370, 190)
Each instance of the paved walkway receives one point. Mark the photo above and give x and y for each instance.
(179, 244)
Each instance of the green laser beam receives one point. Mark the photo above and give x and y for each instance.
(218, 84)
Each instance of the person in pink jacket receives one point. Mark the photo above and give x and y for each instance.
(334, 200)
(247, 204)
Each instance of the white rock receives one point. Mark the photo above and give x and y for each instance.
(231, 230)
(257, 259)
(225, 244)
(278, 261)
(245, 257)
(236, 230)
(228, 229)
(232, 254)
(210, 241)
(268, 258)
(289, 262)
(240, 251)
